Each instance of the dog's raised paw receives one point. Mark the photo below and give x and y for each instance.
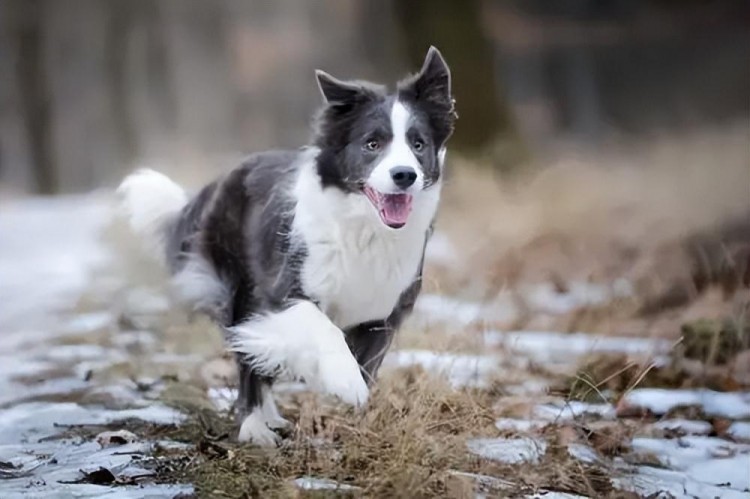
(278, 423)
(255, 431)
(339, 375)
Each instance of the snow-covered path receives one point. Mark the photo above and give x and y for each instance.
(49, 251)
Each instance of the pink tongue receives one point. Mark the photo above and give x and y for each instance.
(395, 208)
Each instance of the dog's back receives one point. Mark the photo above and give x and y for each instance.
(227, 242)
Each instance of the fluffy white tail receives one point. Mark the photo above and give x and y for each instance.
(150, 200)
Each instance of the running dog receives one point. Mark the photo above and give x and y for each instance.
(310, 259)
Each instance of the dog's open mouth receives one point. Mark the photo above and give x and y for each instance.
(394, 209)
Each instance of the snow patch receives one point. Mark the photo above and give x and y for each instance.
(41, 467)
(731, 405)
(436, 308)
(573, 409)
(520, 425)
(48, 248)
(82, 323)
(657, 482)
(35, 420)
(684, 426)
(559, 347)
(509, 450)
(555, 495)
(739, 430)
(312, 483)
(583, 453)
(546, 298)
(223, 398)
(461, 370)
(709, 460)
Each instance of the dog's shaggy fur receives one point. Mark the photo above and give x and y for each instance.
(311, 259)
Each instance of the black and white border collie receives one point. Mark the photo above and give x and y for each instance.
(311, 259)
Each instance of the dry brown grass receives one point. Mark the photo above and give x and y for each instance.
(440, 338)
(630, 210)
(409, 442)
(405, 444)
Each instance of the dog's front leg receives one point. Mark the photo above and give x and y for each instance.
(303, 342)
(369, 342)
(256, 412)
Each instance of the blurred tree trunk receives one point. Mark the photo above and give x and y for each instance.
(380, 39)
(27, 30)
(455, 28)
(137, 70)
(158, 68)
(122, 17)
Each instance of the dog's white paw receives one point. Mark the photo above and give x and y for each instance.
(255, 430)
(270, 412)
(278, 423)
(339, 375)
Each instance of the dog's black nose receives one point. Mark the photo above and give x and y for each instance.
(403, 176)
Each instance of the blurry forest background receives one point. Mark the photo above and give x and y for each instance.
(588, 279)
(91, 88)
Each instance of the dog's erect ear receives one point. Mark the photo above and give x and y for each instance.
(336, 91)
(433, 82)
(430, 90)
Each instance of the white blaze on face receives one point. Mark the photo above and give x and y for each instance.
(398, 153)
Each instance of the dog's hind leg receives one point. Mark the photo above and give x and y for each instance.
(256, 411)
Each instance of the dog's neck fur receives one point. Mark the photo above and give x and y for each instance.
(356, 267)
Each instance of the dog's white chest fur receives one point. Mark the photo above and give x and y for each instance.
(356, 275)
(356, 268)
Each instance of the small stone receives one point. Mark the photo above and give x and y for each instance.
(114, 438)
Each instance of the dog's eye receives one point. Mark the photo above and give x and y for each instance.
(418, 144)
(372, 145)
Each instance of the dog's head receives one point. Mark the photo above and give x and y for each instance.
(386, 146)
